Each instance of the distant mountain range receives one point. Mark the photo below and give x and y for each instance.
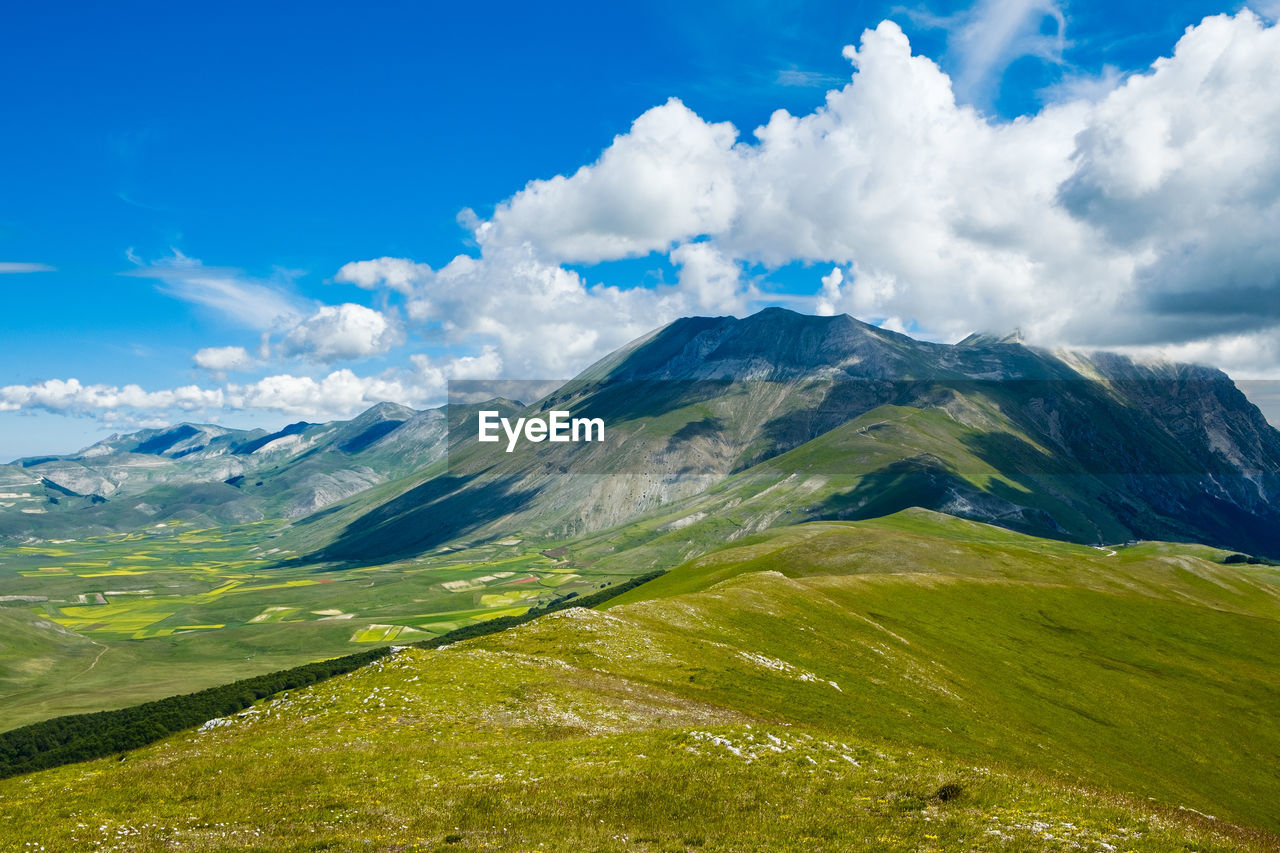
(718, 427)
(210, 475)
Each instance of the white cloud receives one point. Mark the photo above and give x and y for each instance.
(797, 78)
(336, 332)
(1141, 212)
(486, 365)
(711, 281)
(431, 375)
(1180, 168)
(670, 176)
(1269, 9)
(544, 321)
(399, 274)
(339, 394)
(71, 397)
(253, 304)
(11, 267)
(830, 296)
(1249, 355)
(221, 359)
(1081, 86)
(993, 33)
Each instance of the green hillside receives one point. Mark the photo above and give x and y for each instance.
(911, 683)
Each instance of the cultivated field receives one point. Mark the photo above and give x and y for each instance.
(112, 621)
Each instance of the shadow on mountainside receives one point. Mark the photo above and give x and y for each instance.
(438, 511)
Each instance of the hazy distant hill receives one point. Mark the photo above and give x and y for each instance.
(212, 475)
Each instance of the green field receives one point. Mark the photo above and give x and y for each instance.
(112, 621)
(911, 683)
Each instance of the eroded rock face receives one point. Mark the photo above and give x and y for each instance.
(77, 480)
(319, 490)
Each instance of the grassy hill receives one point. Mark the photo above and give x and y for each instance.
(911, 683)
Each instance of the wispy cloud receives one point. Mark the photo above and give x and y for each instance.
(21, 268)
(1083, 87)
(1269, 9)
(251, 303)
(125, 197)
(799, 79)
(984, 40)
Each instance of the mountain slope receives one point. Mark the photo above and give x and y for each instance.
(914, 683)
(1091, 449)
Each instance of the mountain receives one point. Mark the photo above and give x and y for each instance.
(804, 418)
(900, 608)
(210, 475)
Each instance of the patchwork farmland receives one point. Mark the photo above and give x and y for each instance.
(78, 615)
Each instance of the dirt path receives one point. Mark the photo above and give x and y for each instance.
(87, 669)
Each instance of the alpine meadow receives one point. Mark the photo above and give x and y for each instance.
(899, 474)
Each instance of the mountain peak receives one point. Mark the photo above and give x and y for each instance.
(986, 339)
(385, 411)
(773, 344)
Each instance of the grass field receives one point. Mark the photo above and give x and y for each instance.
(473, 748)
(911, 683)
(112, 621)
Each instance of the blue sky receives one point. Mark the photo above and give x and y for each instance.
(188, 191)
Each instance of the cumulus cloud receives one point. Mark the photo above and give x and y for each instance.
(711, 281)
(1248, 355)
(431, 375)
(543, 320)
(339, 394)
(222, 359)
(830, 296)
(12, 267)
(1269, 9)
(71, 397)
(937, 214)
(336, 332)
(399, 274)
(672, 175)
(1181, 169)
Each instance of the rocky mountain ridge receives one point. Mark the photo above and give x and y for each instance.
(706, 414)
(214, 474)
